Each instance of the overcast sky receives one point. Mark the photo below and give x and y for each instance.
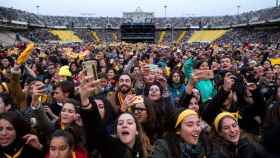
(115, 8)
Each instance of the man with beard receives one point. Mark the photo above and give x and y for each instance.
(117, 98)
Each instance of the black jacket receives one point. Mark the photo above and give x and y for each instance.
(222, 149)
(27, 151)
(162, 150)
(98, 138)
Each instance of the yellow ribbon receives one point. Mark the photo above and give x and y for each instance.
(183, 115)
(121, 100)
(218, 118)
(62, 125)
(17, 154)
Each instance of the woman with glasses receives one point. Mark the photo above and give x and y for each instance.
(144, 113)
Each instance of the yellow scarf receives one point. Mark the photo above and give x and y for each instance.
(62, 126)
(17, 154)
(121, 99)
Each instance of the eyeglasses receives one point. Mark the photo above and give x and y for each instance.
(138, 110)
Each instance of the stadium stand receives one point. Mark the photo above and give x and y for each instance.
(217, 75)
(66, 35)
(207, 36)
(8, 38)
(213, 21)
(162, 36)
(94, 34)
(181, 36)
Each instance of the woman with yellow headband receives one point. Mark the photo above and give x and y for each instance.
(182, 140)
(226, 141)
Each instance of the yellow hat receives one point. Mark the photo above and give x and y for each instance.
(183, 115)
(64, 71)
(220, 116)
(4, 87)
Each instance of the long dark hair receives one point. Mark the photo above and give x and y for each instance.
(140, 142)
(182, 79)
(149, 126)
(68, 137)
(74, 128)
(171, 137)
(76, 105)
(7, 100)
(109, 114)
(147, 88)
(20, 125)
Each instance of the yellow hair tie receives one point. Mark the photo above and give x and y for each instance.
(218, 118)
(183, 115)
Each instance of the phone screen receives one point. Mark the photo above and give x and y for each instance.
(90, 67)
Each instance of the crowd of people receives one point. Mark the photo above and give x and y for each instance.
(251, 35)
(233, 36)
(203, 21)
(139, 101)
(39, 35)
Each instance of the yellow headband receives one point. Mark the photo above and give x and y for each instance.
(219, 117)
(183, 115)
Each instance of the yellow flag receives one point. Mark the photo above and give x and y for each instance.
(275, 61)
(25, 54)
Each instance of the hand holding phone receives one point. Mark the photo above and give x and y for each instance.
(204, 74)
(90, 68)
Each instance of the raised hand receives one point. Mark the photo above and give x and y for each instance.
(86, 89)
(37, 90)
(228, 82)
(128, 101)
(16, 69)
(32, 140)
(162, 80)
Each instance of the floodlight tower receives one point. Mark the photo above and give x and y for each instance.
(165, 7)
(37, 7)
(238, 9)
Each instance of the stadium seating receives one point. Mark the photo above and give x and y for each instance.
(66, 35)
(94, 34)
(252, 16)
(8, 38)
(206, 35)
(161, 36)
(115, 37)
(181, 36)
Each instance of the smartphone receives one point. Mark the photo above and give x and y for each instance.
(90, 67)
(204, 74)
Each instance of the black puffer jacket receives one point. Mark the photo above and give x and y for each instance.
(98, 138)
(222, 149)
(24, 150)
